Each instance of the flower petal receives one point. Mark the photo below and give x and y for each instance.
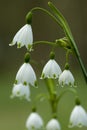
(21, 91)
(78, 117)
(23, 37)
(66, 78)
(26, 74)
(53, 124)
(34, 121)
(51, 70)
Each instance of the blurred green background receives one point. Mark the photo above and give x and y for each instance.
(13, 113)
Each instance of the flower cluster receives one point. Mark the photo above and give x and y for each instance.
(35, 122)
(26, 77)
(53, 70)
(24, 37)
(78, 118)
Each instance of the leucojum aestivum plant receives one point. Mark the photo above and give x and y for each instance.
(26, 77)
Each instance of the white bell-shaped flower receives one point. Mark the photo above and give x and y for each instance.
(34, 122)
(53, 124)
(26, 75)
(51, 70)
(24, 37)
(78, 117)
(66, 78)
(21, 91)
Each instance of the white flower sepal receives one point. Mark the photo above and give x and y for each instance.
(53, 124)
(34, 122)
(21, 91)
(24, 37)
(26, 75)
(78, 117)
(51, 70)
(66, 78)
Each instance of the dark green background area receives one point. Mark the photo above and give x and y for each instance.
(13, 113)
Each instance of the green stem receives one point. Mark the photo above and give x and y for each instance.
(45, 42)
(72, 90)
(50, 85)
(68, 33)
(67, 56)
(47, 12)
(53, 102)
(54, 44)
(52, 93)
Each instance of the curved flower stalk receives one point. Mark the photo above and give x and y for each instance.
(51, 69)
(78, 116)
(26, 75)
(21, 91)
(53, 124)
(66, 78)
(34, 122)
(24, 37)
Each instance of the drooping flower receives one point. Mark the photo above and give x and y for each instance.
(26, 75)
(53, 124)
(51, 70)
(25, 78)
(78, 117)
(34, 122)
(24, 37)
(21, 91)
(66, 78)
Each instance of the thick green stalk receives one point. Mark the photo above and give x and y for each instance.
(53, 96)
